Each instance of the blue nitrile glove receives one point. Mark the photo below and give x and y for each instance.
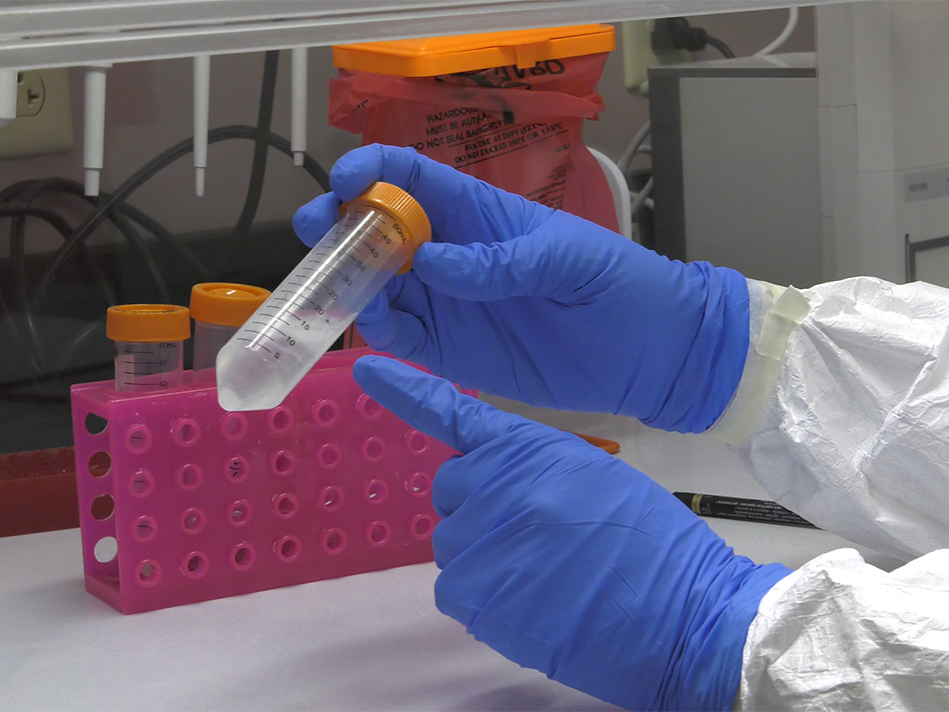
(526, 302)
(569, 561)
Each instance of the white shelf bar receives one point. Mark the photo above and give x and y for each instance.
(36, 34)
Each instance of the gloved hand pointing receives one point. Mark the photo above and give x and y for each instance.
(569, 561)
(526, 302)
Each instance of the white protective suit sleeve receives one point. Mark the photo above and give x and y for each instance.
(848, 425)
(840, 635)
(842, 414)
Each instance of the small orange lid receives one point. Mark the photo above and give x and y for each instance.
(394, 201)
(147, 323)
(224, 303)
(432, 56)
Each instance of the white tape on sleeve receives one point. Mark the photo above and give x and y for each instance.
(774, 312)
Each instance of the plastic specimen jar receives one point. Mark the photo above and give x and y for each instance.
(149, 345)
(219, 309)
(375, 238)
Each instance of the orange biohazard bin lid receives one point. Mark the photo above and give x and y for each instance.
(433, 56)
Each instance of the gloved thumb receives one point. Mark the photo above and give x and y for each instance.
(314, 219)
(431, 404)
(539, 264)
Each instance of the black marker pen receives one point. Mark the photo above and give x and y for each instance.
(746, 510)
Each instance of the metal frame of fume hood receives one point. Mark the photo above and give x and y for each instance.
(41, 33)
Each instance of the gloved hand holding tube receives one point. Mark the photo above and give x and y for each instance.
(529, 303)
(569, 561)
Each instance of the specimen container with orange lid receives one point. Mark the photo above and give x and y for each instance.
(149, 341)
(375, 238)
(219, 309)
(506, 107)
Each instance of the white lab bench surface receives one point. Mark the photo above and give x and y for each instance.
(369, 642)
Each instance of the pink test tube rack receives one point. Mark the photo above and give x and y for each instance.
(182, 502)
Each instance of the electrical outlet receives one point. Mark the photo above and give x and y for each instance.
(638, 56)
(43, 122)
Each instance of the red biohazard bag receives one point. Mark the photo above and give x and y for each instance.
(517, 126)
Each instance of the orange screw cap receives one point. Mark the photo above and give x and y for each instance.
(401, 206)
(225, 303)
(148, 323)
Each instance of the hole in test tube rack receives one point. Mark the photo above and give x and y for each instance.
(148, 573)
(145, 528)
(142, 484)
(333, 541)
(280, 420)
(95, 424)
(194, 565)
(233, 426)
(102, 507)
(373, 449)
(330, 498)
(418, 484)
(239, 512)
(288, 549)
(100, 464)
(368, 408)
(236, 469)
(324, 412)
(138, 439)
(189, 477)
(282, 462)
(285, 505)
(375, 491)
(378, 533)
(106, 549)
(329, 456)
(186, 432)
(192, 520)
(243, 556)
(421, 526)
(416, 442)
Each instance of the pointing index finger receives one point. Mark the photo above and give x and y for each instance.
(431, 404)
